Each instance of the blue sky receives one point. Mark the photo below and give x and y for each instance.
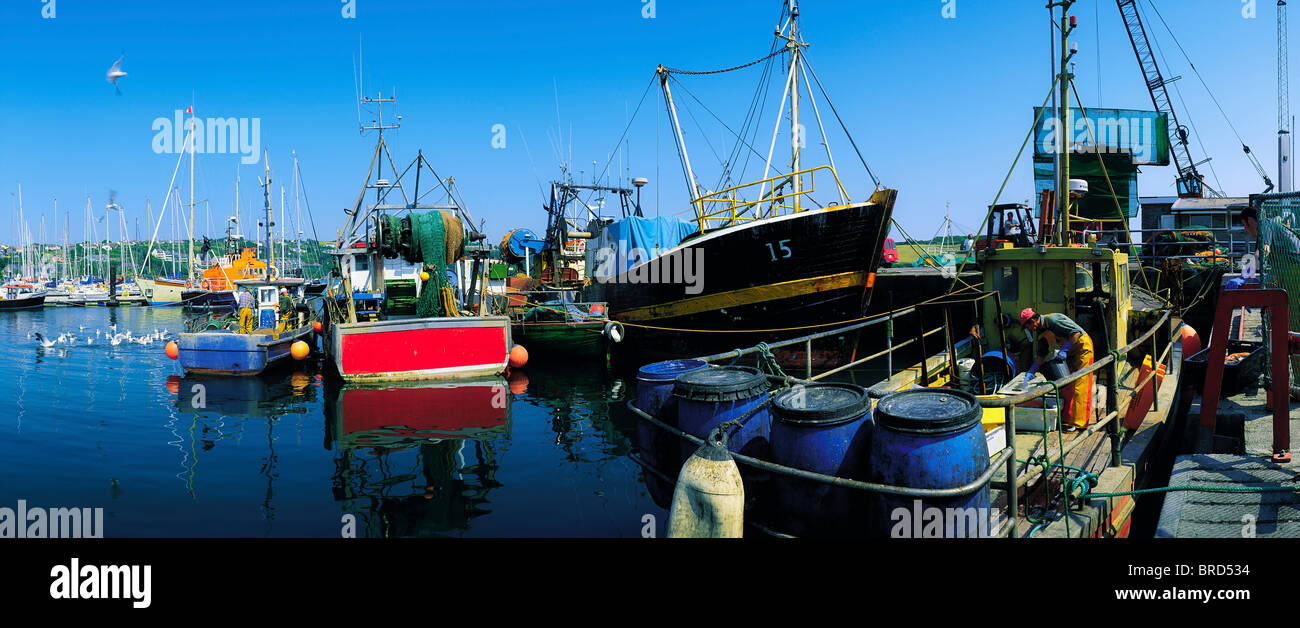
(938, 106)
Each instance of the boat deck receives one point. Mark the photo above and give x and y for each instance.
(1237, 454)
(1137, 468)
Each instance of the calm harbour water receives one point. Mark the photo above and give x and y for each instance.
(291, 453)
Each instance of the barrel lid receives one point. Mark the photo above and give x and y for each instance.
(822, 403)
(928, 410)
(668, 371)
(715, 383)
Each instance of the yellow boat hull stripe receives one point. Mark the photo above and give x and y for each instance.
(747, 296)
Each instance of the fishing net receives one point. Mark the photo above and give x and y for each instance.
(1279, 241)
(434, 240)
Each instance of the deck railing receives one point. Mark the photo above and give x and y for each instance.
(725, 207)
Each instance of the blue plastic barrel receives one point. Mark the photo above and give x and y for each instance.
(660, 449)
(996, 360)
(928, 438)
(709, 397)
(824, 428)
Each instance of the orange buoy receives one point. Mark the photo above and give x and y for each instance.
(317, 326)
(518, 356)
(1191, 341)
(299, 350)
(424, 276)
(598, 308)
(172, 350)
(518, 382)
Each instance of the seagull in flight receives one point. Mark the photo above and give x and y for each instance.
(115, 73)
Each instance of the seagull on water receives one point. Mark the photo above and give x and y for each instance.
(115, 73)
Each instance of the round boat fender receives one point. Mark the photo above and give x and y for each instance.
(613, 332)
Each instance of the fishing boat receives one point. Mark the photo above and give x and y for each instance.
(227, 345)
(545, 300)
(20, 296)
(790, 251)
(561, 327)
(450, 336)
(216, 345)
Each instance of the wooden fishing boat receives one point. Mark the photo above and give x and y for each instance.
(450, 336)
(564, 328)
(769, 259)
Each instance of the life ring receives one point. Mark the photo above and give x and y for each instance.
(206, 285)
(613, 332)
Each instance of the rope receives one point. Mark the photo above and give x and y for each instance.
(747, 331)
(731, 69)
(767, 361)
(1041, 109)
(1199, 489)
(1106, 173)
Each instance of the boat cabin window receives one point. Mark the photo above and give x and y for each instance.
(1053, 289)
(1006, 282)
(360, 263)
(266, 296)
(1085, 277)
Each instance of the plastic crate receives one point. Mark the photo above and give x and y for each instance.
(1236, 377)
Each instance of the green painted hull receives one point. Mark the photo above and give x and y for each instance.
(559, 338)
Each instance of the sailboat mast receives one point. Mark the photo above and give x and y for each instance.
(283, 254)
(238, 230)
(191, 224)
(297, 207)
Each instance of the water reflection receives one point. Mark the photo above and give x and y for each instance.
(220, 408)
(416, 460)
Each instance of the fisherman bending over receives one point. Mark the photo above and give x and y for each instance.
(1075, 348)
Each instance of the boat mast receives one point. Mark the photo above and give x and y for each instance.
(1064, 128)
(694, 188)
(266, 202)
(796, 132)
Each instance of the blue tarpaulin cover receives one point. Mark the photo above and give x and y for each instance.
(633, 240)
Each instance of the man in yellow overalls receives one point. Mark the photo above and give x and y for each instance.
(1058, 330)
(247, 317)
(285, 308)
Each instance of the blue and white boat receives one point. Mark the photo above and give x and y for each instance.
(214, 344)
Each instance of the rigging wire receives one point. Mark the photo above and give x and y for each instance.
(808, 66)
(1250, 155)
(739, 138)
(625, 130)
(1155, 44)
